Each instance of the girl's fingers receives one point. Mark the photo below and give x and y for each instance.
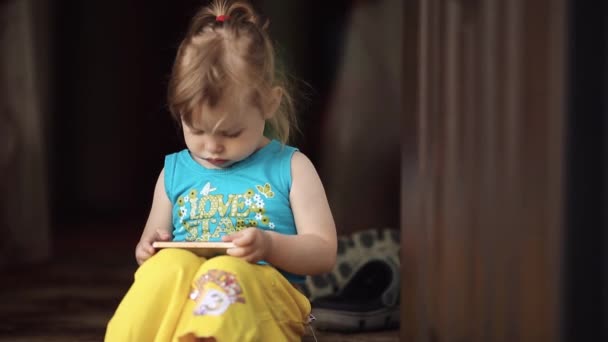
(239, 252)
(246, 254)
(146, 247)
(246, 237)
(163, 235)
(232, 237)
(235, 252)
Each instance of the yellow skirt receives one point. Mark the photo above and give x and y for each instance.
(178, 296)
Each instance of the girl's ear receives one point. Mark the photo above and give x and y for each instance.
(276, 94)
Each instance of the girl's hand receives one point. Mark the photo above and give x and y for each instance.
(252, 244)
(144, 249)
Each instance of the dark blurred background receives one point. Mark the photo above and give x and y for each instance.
(84, 130)
(109, 127)
(586, 202)
(496, 243)
(85, 126)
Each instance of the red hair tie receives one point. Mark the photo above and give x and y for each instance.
(222, 18)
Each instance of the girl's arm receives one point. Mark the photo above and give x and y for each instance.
(313, 249)
(158, 226)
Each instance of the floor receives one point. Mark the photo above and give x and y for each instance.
(72, 297)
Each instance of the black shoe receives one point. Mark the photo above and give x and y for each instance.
(369, 301)
(354, 251)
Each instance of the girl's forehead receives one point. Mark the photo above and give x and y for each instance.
(232, 99)
(214, 119)
(222, 116)
(234, 107)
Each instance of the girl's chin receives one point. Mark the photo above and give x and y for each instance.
(219, 163)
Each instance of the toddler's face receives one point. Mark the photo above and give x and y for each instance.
(225, 134)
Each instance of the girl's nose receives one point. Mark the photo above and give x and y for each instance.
(214, 145)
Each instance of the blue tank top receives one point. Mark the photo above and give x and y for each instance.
(211, 203)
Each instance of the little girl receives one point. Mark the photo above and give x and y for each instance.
(238, 182)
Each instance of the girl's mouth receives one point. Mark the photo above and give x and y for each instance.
(217, 162)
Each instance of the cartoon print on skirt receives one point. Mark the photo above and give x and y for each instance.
(215, 291)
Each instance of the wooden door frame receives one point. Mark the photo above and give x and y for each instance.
(482, 175)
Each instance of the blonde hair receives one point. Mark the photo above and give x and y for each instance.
(227, 45)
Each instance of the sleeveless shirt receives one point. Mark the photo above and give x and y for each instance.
(211, 203)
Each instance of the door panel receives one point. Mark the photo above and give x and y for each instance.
(481, 215)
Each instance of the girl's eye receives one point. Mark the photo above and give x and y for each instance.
(232, 135)
(197, 132)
